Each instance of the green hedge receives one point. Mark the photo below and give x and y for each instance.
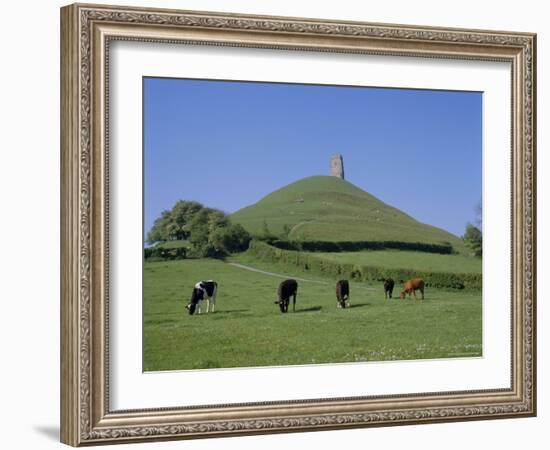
(319, 265)
(354, 246)
(160, 253)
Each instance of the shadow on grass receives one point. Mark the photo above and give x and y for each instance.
(311, 309)
(220, 312)
(358, 305)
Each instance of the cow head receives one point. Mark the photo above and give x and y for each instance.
(191, 308)
(283, 304)
(196, 297)
(402, 295)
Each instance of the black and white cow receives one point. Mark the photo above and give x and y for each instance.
(203, 291)
(342, 294)
(287, 289)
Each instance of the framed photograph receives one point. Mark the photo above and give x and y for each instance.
(276, 224)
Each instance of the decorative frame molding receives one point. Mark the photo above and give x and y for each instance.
(86, 31)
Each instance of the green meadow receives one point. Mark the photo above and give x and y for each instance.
(395, 259)
(248, 329)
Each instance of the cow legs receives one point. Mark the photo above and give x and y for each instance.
(294, 303)
(213, 301)
(422, 291)
(284, 305)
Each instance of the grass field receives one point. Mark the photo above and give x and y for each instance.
(327, 208)
(248, 329)
(395, 259)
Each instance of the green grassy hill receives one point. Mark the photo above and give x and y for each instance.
(326, 208)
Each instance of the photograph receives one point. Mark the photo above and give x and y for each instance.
(291, 222)
(302, 224)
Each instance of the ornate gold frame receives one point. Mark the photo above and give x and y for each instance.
(86, 31)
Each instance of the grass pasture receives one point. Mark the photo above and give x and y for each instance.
(395, 259)
(248, 329)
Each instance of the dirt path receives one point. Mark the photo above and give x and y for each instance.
(298, 225)
(278, 275)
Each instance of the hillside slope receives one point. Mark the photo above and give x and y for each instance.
(328, 208)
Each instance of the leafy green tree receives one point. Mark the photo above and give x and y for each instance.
(202, 228)
(159, 231)
(182, 213)
(473, 239)
(209, 220)
(208, 230)
(230, 239)
(173, 224)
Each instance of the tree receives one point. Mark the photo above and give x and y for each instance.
(209, 231)
(207, 220)
(173, 224)
(231, 239)
(159, 232)
(473, 239)
(182, 213)
(201, 229)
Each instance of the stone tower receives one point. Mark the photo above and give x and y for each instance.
(337, 166)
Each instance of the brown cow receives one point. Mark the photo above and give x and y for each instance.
(413, 285)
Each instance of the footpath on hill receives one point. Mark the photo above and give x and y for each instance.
(279, 275)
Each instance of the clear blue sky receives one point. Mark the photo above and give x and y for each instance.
(227, 144)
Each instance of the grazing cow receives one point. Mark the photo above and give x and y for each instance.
(412, 286)
(203, 291)
(342, 293)
(388, 287)
(287, 289)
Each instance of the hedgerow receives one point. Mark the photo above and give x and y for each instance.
(321, 266)
(354, 246)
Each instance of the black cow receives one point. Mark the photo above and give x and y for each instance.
(287, 289)
(342, 294)
(203, 291)
(388, 287)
